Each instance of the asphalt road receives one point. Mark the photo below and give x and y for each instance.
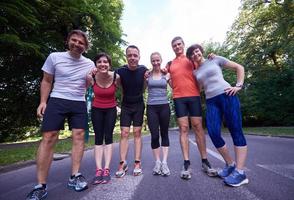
(270, 169)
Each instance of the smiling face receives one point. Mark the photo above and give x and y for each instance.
(133, 57)
(103, 64)
(155, 60)
(197, 56)
(77, 44)
(178, 47)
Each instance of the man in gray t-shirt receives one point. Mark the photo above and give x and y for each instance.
(65, 80)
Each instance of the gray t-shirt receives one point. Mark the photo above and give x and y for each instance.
(209, 76)
(157, 91)
(69, 75)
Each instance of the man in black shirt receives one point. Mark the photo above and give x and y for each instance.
(132, 109)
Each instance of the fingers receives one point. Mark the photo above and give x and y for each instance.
(40, 111)
(231, 91)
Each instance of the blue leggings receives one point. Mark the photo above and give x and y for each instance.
(229, 108)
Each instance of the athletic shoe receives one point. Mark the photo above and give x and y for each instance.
(157, 168)
(137, 169)
(78, 183)
(226, 171)
(164, 169)
(98, 177)
(186, 173)
(206, 167)
(236, 179)
(106, 176)
(122, 169)
(39, 192)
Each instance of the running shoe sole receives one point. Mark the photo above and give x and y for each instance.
(186, 176)
(73, 188)
(137, 173)
(245, 181)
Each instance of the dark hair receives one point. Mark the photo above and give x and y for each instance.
(177, 38)
(132, 47)
(190, 50)
(102, 54)
(81, 33)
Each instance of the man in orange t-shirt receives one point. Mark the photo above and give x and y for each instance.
(187, 104)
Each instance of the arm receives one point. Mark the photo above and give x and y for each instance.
(240, 77)
(46, 86)
(117, 81)
(89, 78)
(168, 79)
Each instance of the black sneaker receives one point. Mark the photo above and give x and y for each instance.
(39, 192)
(78, 183)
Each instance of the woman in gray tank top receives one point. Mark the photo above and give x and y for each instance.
(158, 114)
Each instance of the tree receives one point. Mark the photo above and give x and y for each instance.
(261, 39)
(29, 31)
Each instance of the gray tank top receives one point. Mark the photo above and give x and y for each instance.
(157, 91)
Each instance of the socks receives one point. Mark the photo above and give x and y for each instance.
(241, 171)
(186, 164)
(206, 162)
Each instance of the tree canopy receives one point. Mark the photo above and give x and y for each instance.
(29, 31)
(262, 39)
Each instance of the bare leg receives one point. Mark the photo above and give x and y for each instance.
(241, 155)
(199, 135)
(156, 154)
(107, 154)
(225, 154)
(184, 131)
(165, 153)
(124, 143)
(138, 142)
(77, 149)
(98, 152)
(45, 155)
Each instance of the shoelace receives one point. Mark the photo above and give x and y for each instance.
(106, 172)
(99, 172)
(79, 178)
(36, 192)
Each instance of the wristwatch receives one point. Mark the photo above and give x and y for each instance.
(239, 85)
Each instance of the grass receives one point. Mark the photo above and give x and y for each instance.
(28, 152)
(268, 131)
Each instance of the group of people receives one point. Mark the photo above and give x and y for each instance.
(66, 76)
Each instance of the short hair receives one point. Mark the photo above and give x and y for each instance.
(155, 53)
(103, 54)
(132, 47)
(190, 50)
(80, 33)
(177, 38)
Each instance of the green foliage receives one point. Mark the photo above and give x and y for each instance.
(29, 31)
(262, 40)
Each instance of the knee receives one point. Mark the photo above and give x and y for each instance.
(78, 135)
(124, 134)
(184, 129)
(197, 126)
(49, 138)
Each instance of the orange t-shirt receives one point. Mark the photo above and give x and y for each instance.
(183, 81)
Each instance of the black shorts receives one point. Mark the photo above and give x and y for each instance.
(58, 110)
(132, 113)
(188, 106)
